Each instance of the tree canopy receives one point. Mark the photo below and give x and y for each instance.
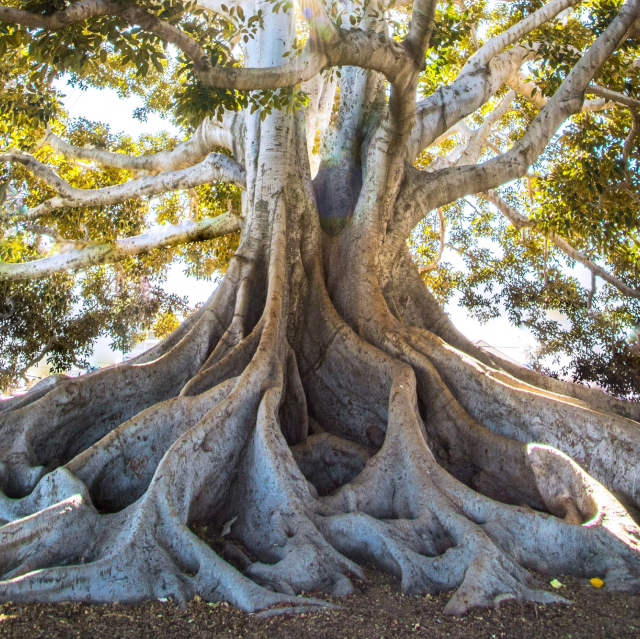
(512, 243)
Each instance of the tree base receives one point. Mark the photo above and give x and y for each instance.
(307, 496)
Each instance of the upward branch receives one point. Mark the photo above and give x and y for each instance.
(480, 78)
(420, 29)
(447, 185)
(515, 33)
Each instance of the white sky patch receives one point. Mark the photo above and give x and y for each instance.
(106, 106)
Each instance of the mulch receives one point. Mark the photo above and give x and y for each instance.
(379, 612)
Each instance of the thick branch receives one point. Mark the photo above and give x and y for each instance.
(215, 167)
(478, 138)
(520, 221)
(116, 251)
(331, 47)
(481, 77)
(208, 135)
(500, 42)
(447, 185)
(132, 14)
(302, 68)
(420, 30)
(450, 104)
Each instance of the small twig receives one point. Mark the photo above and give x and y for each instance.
(592, 291)
(435, 263)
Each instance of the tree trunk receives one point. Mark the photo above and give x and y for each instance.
(318, 411)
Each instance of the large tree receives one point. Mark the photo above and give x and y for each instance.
(320, 409)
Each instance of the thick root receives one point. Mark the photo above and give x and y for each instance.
(410, 517)
(304, 448)
(273, 503)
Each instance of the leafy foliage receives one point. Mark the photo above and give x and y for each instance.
(584, 188)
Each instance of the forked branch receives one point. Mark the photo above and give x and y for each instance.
(447, 185)
(499, 43)
(481, 77)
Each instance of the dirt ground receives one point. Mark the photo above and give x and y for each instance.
(380, 612)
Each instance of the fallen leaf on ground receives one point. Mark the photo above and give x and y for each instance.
(598, 583)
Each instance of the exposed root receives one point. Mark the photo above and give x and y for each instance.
(607, 446)
(233, 451)
(273, 503)
(146, 550)
(74, 415)
(409, 516)
(413, 304)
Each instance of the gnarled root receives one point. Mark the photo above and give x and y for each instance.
(410, 517)
(306, 448)
(195, 447)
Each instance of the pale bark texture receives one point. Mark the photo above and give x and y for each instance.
(320, 411)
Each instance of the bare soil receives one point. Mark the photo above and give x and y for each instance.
(380, 612)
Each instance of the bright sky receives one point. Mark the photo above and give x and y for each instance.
(106, 106)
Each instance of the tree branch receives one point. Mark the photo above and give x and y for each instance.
(443, 186)
(215, 167)
(53, 234)
(34, 360)
(420, 28)
(499, 43)
(40, 170)
(480, 78)
(447, 185)
(533, 94)
(326, 47)
(613, 96)
(208, 135)
(116, 251)
(520, 221)
(478, 140)
(450, 104)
